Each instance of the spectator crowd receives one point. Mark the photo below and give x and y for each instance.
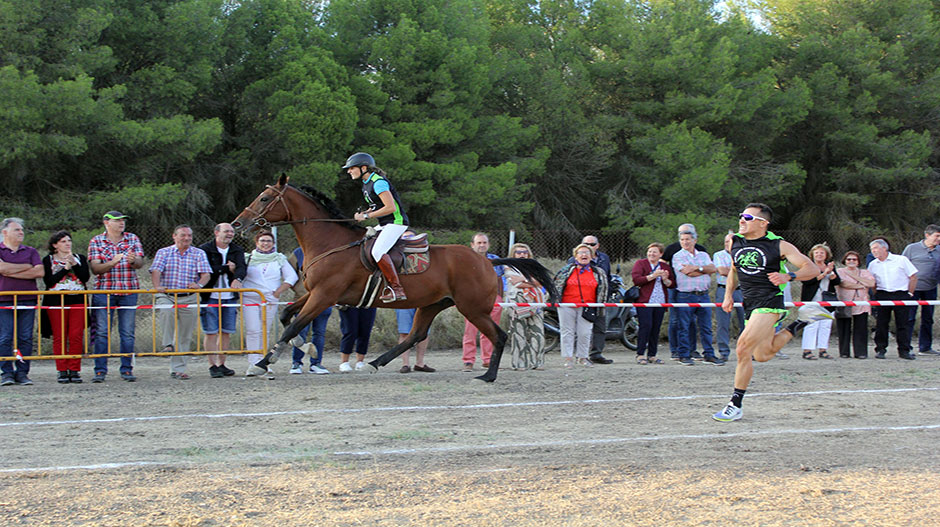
(682, 272)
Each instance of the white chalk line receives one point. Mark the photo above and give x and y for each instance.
(448, 407)
(503, 447)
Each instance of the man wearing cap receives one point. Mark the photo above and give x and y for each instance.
(179, 266)
(20, 266)
(115, 256)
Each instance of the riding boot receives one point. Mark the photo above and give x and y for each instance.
(394, 292)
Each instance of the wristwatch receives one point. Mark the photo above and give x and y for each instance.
(792, 276)
(365, 215)
(701, 269)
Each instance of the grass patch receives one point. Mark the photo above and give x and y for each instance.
(410, 435)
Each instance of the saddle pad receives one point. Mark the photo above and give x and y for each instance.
(416, 263)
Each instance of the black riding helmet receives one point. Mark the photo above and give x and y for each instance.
(357, 160)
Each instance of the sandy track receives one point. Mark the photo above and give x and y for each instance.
(825, 442)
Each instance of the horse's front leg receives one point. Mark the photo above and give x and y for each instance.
(313, 306)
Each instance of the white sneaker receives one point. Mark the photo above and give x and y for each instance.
(813, 313)
(319, 370)
(360, 365)
(728, 413)
(345, 367)
(296, 369)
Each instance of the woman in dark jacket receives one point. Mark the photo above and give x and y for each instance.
(65, 271)
(654, 277)
(816, 334)
(578, 282)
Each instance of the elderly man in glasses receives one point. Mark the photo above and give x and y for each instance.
(757, 257)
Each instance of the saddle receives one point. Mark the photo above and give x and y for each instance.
(410, 254)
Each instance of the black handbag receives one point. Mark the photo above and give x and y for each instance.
(589, 314)
(828, 296)
(632, 294)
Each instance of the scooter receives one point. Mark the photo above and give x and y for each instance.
(622, 323)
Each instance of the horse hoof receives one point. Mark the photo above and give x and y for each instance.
(297, 341)
(256, 370)
(371, 368)
(486, 378)
(272, 357)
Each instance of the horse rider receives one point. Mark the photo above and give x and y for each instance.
(385, 206)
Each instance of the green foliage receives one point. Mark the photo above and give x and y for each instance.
(566, 114)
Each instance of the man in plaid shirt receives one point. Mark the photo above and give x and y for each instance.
(115, 256)
(179, 266)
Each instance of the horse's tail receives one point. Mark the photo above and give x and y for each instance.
(532, 270)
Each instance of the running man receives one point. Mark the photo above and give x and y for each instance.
(757, 263)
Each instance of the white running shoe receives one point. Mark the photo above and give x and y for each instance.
(345, 367)
(297, 369)
(728, 413)
(319, 370)
(813, 313)
(360, 365)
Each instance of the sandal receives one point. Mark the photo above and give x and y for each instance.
(808, 355)
(640, 359)
(654, 360)
(824, 355)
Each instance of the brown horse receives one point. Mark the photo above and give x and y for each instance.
(333, 274)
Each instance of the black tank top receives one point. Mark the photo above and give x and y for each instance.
(753, 261)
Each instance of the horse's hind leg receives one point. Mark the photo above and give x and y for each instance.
(419, 331)
(498, 338)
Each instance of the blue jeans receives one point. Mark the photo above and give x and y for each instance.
(650, 319)
(318, 339)
(673, 328)
(724, 319)
(689, 317)
(125, 320)
(925, 338)
(25, 318)
(356, 326)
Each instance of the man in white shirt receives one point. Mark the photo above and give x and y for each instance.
(895, 279)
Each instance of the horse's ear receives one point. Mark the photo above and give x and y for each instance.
(281, 181)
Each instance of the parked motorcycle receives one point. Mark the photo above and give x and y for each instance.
(622, 323)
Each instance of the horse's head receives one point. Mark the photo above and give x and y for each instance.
(269, 207)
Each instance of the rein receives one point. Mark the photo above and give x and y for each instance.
(321, 256)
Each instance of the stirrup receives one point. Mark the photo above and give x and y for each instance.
(389, 295)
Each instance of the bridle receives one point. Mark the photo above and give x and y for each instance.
(259, 219)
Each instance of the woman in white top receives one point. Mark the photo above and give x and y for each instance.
(270, 273)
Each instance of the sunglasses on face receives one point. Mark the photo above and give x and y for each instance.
(750, 217)
(851, 259)
(591, 244)
(522, 252)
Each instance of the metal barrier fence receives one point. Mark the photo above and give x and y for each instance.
(153, 307)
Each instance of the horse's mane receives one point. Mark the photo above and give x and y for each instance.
(329, 205)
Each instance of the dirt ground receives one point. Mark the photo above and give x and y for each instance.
(840, 442)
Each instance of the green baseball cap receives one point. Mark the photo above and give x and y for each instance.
(114, 215)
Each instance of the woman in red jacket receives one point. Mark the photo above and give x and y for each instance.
(654, 277)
